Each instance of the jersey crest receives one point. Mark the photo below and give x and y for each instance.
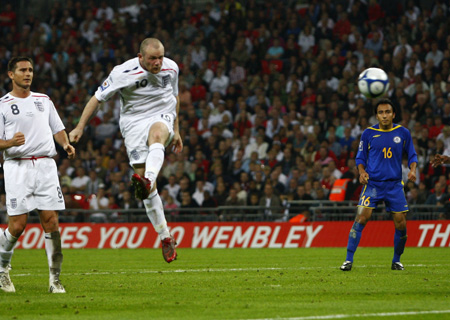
(39, 106)
(135, 155)
(165, 80)
(397, 139)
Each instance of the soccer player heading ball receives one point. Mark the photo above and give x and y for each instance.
(148, 86)
(379, 162)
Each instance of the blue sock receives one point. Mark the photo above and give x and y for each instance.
(353, 240)
(399, 244)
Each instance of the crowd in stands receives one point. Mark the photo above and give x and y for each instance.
(270, 109)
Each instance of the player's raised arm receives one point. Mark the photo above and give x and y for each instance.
(439, 159)
(90, 108)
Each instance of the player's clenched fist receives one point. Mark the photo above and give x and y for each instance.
(70, 151)
(364, 178)
(18, 139)
(75, 135)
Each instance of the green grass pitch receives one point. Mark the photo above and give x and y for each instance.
(232, 284)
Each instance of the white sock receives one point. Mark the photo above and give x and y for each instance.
(7, 242)
(154, 161)
(155, 212)
(54, 254)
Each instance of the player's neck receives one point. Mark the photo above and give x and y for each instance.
(386, 127)
(19, 92)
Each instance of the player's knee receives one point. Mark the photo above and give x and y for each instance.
(400, 225)
(50, 223)
(157, 137)
(158, 134)
(362, 217)
(361, 220)
(17, 228)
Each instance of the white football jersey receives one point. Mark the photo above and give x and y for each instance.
(34, 116)
(142, 93)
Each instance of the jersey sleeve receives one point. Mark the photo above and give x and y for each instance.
(110, 86)
(54, 120)
(363, 150)
(409, 148)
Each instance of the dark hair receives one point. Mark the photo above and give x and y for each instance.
(12, 64)
(384, 101)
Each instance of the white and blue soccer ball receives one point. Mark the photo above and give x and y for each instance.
(373, 82)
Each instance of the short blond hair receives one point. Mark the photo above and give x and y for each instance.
(155, 43)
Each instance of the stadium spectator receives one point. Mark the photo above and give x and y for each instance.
(270, 201)
(220, 82)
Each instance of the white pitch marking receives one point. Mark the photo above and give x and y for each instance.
(219, 270)
(362, 315)
(155, 271)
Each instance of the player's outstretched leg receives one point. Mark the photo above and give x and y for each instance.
(155, 212)
(55, 259)
(353, 241)
(7, 243)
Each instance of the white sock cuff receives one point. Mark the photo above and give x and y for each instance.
(52, 235)
(10, 237)
(156, 146)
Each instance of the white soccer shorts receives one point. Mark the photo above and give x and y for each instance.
(32, 184)
(135, 134)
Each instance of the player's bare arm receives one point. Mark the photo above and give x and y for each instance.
(412, 172)
(91, 107)
(17, 140)
(439, 159)
(363, 175)
(177, 142)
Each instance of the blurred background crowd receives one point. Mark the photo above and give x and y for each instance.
(270, 109)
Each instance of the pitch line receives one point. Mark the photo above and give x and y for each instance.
(206, 270)
(362, 315)
(154, 271)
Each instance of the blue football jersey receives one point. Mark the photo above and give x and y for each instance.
(381, 152)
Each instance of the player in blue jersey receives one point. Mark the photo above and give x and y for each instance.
(379, 162)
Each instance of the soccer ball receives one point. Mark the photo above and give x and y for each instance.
(373, 82)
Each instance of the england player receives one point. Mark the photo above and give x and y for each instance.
(148, 87)
(379, 162)
(28, 124)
